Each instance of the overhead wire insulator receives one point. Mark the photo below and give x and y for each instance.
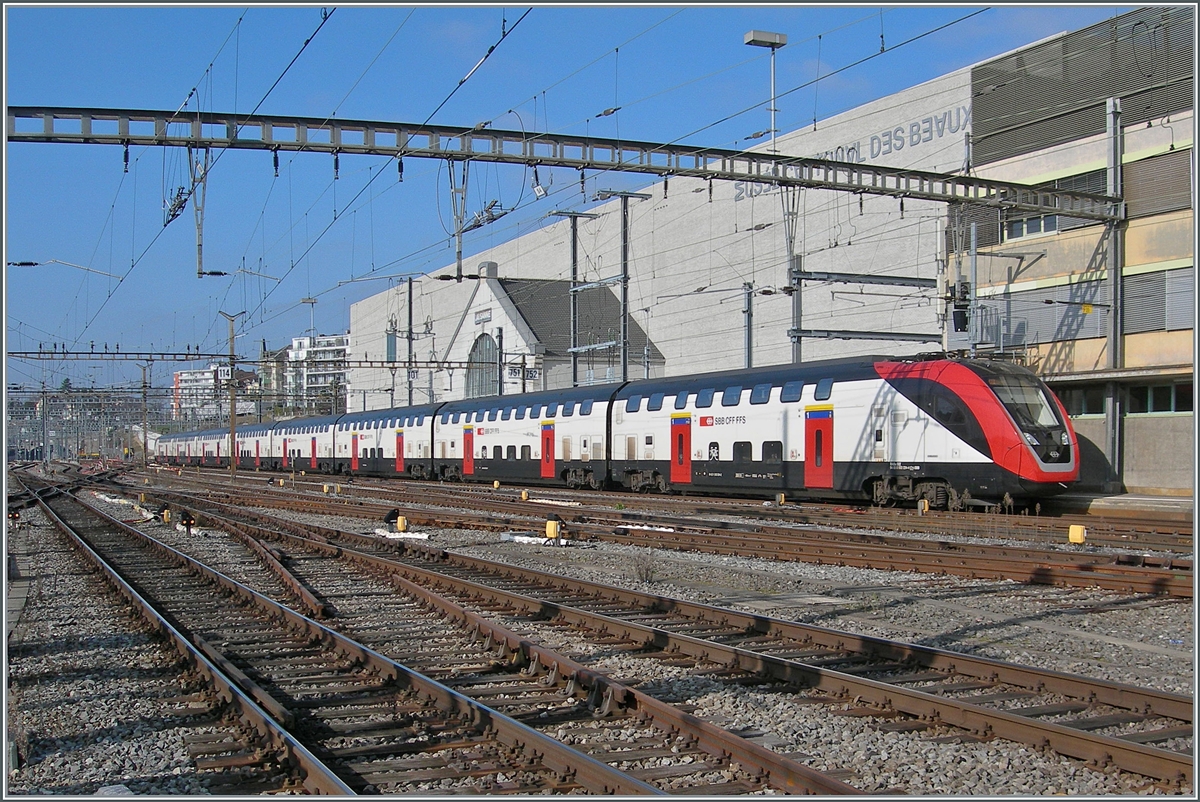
(335, 165)
(126, 157)
(400, 171)
(275, 155)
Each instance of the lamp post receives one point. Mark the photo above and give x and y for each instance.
(232, 395)
(773, 41)
(574, 280)
(605, 194)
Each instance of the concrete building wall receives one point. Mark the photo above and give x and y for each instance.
(1160, 454)
(684, 239)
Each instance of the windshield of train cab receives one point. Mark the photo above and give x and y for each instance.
(1026, 399)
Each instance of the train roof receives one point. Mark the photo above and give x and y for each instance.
(842, 369)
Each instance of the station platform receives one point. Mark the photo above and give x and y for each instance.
(1173, 508)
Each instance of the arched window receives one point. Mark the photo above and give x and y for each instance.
(482, 379)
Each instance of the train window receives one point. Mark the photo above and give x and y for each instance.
(552, 410)
(494, 414)
(511, 453)
(445, 418)
(681, 400)
(506, 414)
(704, 398)
(824, 389)
(714, 452)
(521, 412)
(655, 403)
(791, 391)
(649, 439)
(585, 407)
(420, 420)
(526, 452)
(731, 396)
(497, 452)
(772, 452)
(761, 394)
(818, 448)
(742, 451)
(457, 417)
(535, 411)
(568, 409)
(633, 404)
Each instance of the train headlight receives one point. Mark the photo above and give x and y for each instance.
(1066, 441)
(1033, 441)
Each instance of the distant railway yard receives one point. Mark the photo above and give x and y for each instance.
(185, 631)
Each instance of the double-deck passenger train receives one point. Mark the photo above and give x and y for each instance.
(868, 428)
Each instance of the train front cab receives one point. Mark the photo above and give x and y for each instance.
(1003, 433)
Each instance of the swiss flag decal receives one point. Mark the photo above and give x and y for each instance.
(706, 420)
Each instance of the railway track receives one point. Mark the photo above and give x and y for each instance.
(378, 726)
(1134, 573)
(1115, 531)
(910, 688)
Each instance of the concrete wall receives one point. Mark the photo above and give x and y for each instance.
(681, 240)
(1160, 453)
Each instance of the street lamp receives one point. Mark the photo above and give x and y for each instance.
(773, 41)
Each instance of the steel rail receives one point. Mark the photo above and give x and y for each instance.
(821, 547)
(1100, 750)
(785, 774)
(588, 771)
(316, 776)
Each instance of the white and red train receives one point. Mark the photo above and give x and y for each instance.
(868, 428)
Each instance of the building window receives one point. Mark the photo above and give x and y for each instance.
(1149, 399)
(481, 368)
(1027, 226)
(1088, 400)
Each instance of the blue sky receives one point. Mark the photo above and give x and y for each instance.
(673, 71)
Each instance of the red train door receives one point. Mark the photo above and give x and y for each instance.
(548, 471)
(285, 452)
(217, 459)
(399, 451)
(354, 451)
(257, 458)
(818, 447)
(313, 452)
(681, 448)
(468, 450)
